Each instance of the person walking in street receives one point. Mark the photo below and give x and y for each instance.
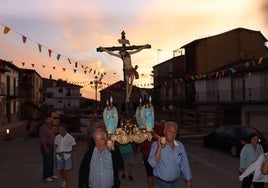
(47, 138)
(92, 125)
(145, 150)
(128, 157)
(169, 159)
(65, 144)
(249, 154)
(99, 167)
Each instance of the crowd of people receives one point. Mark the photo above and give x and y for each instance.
(164, 158)
(106, 162)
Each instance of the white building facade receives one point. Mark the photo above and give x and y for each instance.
(59, 94)
(9, 103)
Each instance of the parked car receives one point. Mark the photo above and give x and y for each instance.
(232, 138)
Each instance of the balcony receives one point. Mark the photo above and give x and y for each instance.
(8, 92)
(249, 95)
(73, 95)
(2, 89)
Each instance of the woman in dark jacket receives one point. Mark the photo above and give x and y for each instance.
(117, 161)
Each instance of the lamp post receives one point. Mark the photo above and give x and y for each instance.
(158, 51)
(96, 84)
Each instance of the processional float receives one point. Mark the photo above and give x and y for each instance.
(128, 132)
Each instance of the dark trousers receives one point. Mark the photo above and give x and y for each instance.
(247, 181)
(48, 161)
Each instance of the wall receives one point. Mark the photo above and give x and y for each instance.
(256, 86)
(256, 116)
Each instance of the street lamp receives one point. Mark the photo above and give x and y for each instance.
(96, 84)
(158, 51)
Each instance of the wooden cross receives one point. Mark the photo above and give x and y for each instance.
(122, 41)
(129, 71)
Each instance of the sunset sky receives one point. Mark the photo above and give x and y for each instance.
(75, 29)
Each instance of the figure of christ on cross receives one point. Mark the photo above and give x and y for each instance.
(130, 72)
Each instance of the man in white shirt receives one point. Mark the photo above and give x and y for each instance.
(65, 144)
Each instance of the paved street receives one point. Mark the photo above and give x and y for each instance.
(21, 162)
(21, 165)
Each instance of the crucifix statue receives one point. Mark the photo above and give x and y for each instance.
(124, 53)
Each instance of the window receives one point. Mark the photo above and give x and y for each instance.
(60, 90)
(14, 107)
(68, 92)
(230, 132)
(220, 130)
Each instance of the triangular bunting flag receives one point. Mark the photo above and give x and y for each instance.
(85, 71)
(74, 70)
(63, 69)
(246, 64)
(6, 30)
(58, 57)
(23, 63)
(69, 61)
(233, 70)
(32, 65)
(260, 60)
(54, 68)
(24, 39)
(40, 48)
(49, 52)
(43, 66)
(254, 63)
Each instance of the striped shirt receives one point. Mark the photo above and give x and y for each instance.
(101, 173)
(172, 162)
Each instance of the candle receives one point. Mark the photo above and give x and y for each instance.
(111, 100)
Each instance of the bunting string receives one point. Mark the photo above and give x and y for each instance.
(40, 46)
(223, 73)
(76, 65)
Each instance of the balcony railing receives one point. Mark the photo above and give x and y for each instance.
(256, 94)
(5, 92)
(2, 88)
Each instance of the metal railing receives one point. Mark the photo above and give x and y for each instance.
(256, 94)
